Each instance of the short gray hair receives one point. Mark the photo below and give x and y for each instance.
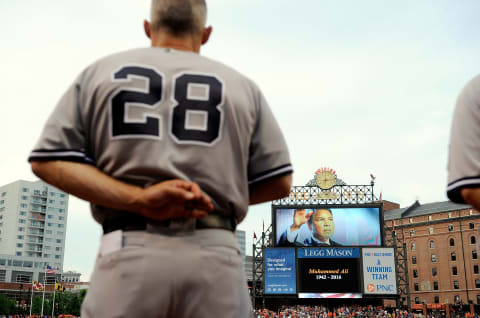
(179, 17)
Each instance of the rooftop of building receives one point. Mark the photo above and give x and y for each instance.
(417, 209)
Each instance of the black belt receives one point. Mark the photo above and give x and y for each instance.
(211, 221)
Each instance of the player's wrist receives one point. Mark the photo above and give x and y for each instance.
(136, 201)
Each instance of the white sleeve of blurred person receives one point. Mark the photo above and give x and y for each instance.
(464, 149)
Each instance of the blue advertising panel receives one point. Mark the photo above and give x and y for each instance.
(280, 271)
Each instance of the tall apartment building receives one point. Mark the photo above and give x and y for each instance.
(441, 244)
(242, 242)
(33, 220)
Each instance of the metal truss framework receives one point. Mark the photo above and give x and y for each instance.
(400, 250)
(265, 241)
(339, 194)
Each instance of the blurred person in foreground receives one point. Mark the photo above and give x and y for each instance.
(170, 148)
(464, 149)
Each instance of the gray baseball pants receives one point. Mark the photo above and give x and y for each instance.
(153, 275)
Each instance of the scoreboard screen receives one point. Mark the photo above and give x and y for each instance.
(352, 226)
(328, 270)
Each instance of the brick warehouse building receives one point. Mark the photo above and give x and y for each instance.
(441, 250)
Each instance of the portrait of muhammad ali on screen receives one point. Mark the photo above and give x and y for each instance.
(328, 227)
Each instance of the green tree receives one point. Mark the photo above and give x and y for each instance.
(37, 305)
(7, 306)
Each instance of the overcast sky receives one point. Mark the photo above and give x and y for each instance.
(359, 86)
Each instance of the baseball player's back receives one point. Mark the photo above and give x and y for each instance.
(154, 114)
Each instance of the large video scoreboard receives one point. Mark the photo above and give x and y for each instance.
(329, 251)
(330, 272)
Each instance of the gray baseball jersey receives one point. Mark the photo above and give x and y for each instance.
(464, 149)
(153, 114)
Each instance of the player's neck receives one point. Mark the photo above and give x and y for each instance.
(184, 43)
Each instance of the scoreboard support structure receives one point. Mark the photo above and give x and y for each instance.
(265, 241)
(400, 249)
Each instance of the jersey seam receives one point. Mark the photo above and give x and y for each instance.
(271, 173)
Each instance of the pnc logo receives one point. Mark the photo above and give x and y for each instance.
(370, 288)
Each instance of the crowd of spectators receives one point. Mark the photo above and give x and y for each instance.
(348, 312)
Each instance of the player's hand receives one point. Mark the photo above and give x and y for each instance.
(174, 199)
(300, 217)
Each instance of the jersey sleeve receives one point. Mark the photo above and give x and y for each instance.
(268, 157)
(464, 148)
(63, 136)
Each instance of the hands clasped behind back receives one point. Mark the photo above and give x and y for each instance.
(174, 199)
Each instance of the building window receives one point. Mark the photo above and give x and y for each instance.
(450, 227)
(410, 220)
(456, 299)
(19, 254)
(450, 215)
(21, 229)
(453, 256)
(474, 254)
(24, 197)
(59, 241)
(477, 283)
(435, 285)
(475, 269)
(436, 300)
(471, 225)
(4, 194)
(429, 217)
(415, 286)
(432, 244)
(412, 232)
(58, 248)
(417, 300)
(415, 273)
(433, 257)
(478, 299)
(430, 230)
(414, 260)
(19, 245)
(454, 270)
(23, 278)
(412, 246)
(23, 213)
(23, 205)
(452, 242)
(455, 284)
(20, 237)
(473, 240)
